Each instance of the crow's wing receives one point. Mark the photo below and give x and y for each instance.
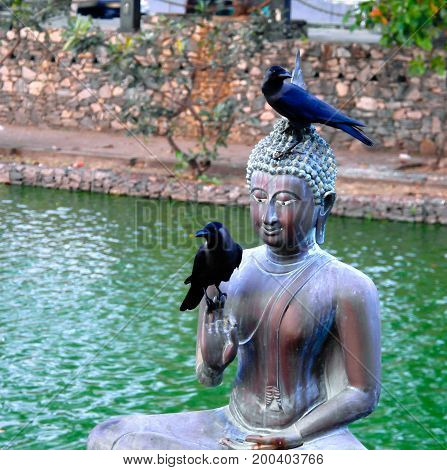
(198, 267)
(232, 262)
(298, 104)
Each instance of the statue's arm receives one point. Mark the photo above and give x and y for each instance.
(217, 344)
(357, 329)
(206, 374)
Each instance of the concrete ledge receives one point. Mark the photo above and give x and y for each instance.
(410, 209)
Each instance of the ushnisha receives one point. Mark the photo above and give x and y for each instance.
(302, 153)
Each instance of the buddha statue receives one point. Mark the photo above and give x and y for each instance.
(303, 326)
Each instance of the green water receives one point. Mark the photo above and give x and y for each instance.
(90, 328)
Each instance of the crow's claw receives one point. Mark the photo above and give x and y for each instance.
(211, 306)
(221, 300)
(287, 150)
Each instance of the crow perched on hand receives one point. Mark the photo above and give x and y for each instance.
(214, 263)
(300, 107)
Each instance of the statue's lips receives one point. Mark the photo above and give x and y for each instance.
(271, 232)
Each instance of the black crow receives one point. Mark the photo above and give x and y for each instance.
(301, 108)
(214, 263)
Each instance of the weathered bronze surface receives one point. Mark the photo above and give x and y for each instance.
(304, 328)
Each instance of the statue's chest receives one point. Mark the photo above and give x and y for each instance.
(273, 308)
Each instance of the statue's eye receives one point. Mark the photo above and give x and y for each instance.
(285, 203)
(259, 199)
(259, 196)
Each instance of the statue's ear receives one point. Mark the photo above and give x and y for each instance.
(325, 210)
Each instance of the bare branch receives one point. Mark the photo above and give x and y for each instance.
(10, 52)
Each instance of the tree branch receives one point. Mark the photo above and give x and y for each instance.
(11, 51)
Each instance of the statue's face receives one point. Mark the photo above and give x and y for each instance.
(283, 211)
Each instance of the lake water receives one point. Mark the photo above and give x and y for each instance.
(90, 327)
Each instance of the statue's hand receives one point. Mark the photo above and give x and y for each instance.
(275, 441)
(219, 340)
(270, 442)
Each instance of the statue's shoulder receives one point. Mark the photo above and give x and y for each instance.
(250, 253)
(351, 282)
(240, 274)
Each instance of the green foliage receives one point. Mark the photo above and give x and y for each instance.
(181, 164)
(177, 73)
(81, 35)
(18, 14)
(202, 7)
(209, 179)
(408, 23)
(31, 13)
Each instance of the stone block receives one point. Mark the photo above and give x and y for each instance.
(155, 188)
(413, 94)
(87, 122)
(96, 107)
(414, 115)
(15, 175)
(59, 176)
(343, 52)
(367, 103)
(64, 93)
(69, 123)
(35, 88)
(85, 94)
(342, 89)
(86, 181)
(8, 87)
(267, 116)
(436, 125)
(20, 116)
(427, 147)
(118, 91)
(105, 92)
(28, 74)
(4, 174)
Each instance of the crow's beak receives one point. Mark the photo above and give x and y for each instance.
(285, 75)
(201, 233)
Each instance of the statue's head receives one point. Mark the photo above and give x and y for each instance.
(291, 177)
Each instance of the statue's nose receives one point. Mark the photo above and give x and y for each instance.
(271, 218)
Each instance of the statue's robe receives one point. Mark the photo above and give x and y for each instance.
(287, 365)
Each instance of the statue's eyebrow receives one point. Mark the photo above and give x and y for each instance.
(258, 189)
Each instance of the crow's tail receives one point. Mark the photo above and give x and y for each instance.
(351, 130)
(192, 299)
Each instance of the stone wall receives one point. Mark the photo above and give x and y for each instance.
(41, 85)
(422, 209)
